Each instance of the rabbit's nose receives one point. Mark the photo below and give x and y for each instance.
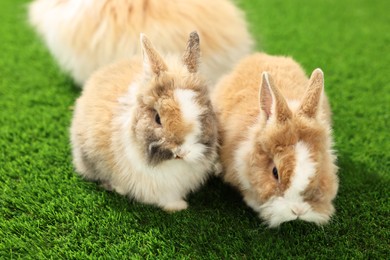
(298, 210)
(179, 153)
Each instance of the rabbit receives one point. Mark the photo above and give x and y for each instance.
(145, 127)
(84, 35)
(276, 139)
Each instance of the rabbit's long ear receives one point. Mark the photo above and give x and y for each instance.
(312, 97)
(272, 103)
(152, 61)
(192, 54)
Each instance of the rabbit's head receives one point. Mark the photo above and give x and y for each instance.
(174, 118)
(289, 170)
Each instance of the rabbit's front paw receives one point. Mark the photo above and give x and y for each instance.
(175, 206)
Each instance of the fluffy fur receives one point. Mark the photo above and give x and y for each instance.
(146, 128)
(272, 116)
(84, 35)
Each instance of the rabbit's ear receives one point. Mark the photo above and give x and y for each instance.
(265, 95)
(192, 53)
(312, 97)
(272, 103)
(152, 61)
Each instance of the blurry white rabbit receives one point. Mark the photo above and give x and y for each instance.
(84, 35)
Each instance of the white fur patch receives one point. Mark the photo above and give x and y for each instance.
(131, 97)
(241, 156)
(241, 164)
(189, 108)
(304, 170)
(191, 150)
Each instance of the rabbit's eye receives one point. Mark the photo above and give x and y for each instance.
(275, 173)
(157, 119)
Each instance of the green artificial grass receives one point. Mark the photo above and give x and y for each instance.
(47, 211)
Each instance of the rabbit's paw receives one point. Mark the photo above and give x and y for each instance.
(175, 206)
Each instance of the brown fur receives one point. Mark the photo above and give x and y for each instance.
(243, 115)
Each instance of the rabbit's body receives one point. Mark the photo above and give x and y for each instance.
(84, 35)
(152, 137)
(277, 145)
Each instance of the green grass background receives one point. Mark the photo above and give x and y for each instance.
(47, 211)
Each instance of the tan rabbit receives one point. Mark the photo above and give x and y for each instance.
(147, 129)
(276, 142)
(84, 35)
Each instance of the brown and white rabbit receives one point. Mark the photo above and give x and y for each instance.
(276, 142)
(146, 128)
(84, 35)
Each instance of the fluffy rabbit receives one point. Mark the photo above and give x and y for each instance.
(276, 143)
(146, 127)
(84, 35)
